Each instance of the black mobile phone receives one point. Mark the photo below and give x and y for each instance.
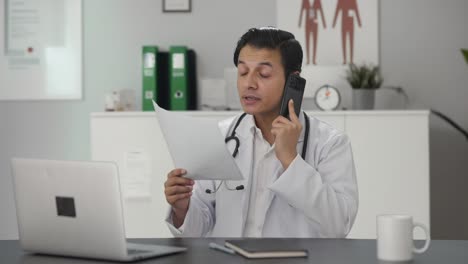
(293, 89)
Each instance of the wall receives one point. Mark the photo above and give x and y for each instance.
(420, 42)
(420, 50)
(114, 31)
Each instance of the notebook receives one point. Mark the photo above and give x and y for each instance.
(74, 208)
(266, 248)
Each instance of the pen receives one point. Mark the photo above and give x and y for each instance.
(222, 248)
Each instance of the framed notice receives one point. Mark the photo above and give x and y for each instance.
(41, 50)
(177, 5)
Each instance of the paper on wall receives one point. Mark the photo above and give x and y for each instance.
(136, 180)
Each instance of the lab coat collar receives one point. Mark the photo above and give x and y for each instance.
(245, 131)
(247, 126)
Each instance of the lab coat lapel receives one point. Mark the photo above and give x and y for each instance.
(245, 164)
(244, 161)
(279, 167)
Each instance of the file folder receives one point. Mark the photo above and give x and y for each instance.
(178, 95)
(162, 83)
(192, 80)
(150, 76)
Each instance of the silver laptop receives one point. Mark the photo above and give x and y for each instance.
(74, 208)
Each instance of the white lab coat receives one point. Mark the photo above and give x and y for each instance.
(317, 197)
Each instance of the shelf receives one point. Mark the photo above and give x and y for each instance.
(231, 113)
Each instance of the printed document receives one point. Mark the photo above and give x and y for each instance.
(197, 145)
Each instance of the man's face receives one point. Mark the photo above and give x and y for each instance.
(260, 80)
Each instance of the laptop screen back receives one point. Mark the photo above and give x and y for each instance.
(69, 208)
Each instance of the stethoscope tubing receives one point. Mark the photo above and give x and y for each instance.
(236, 149)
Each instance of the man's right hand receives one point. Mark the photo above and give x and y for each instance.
(178, 191)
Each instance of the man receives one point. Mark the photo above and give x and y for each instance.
(283, 194)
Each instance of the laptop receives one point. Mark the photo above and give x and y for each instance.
(74, 208)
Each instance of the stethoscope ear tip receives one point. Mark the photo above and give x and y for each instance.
(208, 191)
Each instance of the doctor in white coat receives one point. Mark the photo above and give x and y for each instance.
(296, 184)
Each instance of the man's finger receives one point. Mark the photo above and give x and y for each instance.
(176, 173)
(279, 125)
(281, 119)
(177, 190)
(174, 198)
(179, 181)
(275, 131)
(292, 113)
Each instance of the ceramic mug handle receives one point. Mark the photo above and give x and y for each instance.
(428, 238)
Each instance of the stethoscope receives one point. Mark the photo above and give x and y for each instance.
(236, 150)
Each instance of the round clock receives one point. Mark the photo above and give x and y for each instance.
(327, 98)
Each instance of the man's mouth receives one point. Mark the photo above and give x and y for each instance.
(251, 98)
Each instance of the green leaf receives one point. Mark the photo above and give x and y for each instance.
(465, 53)
(364, 76)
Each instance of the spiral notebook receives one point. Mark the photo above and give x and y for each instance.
(266, 248)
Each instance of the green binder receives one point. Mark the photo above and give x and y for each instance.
(178, 97)
(150, 77)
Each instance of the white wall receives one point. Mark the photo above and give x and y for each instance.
(420, 50)
(420, 42)
(114, 31)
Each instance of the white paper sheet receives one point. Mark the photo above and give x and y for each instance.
(136, 175)
(197, 145)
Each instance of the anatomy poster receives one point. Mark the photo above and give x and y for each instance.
(332, 32)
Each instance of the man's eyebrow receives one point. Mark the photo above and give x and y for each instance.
(266, 63)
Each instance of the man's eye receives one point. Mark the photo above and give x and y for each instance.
(264, 75)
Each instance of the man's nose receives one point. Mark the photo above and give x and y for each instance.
(251, 81)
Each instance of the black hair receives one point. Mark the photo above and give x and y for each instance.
(273, 38)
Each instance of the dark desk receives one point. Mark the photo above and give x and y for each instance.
(321, 251)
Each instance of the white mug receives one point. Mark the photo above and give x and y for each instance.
(395, 238)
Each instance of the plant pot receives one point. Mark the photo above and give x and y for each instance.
(363, 99)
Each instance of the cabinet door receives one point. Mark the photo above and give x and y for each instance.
(391, 154)
(335, 119)
(137, 146)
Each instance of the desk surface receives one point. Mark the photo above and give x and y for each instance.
(321, 251)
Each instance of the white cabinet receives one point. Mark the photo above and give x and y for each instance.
(391, 152)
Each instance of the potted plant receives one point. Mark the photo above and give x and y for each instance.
(465, 53)
(365, 80)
